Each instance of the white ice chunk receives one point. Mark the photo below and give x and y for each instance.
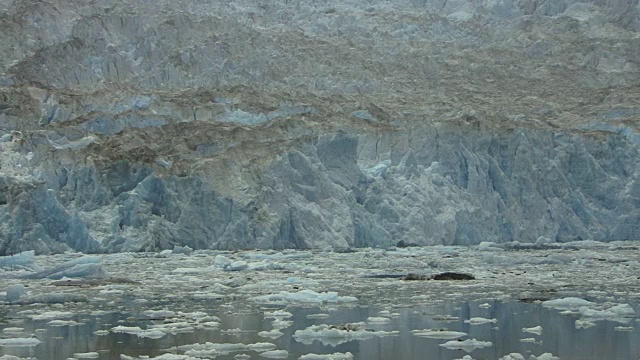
(281, 324)
(23, 260)
(334, 335)
(624, 328)
(517, 356)
(275, 354)
(15, 292)
(584, 324)
(19, 342)
(87, 355)
(159, 314)
(186, 250)
(378, 320)
(63, 323)
(221, 261)
(191, 270)
(528, 340)
(467, 345)
(51, 315)
(305, 296)
(272, 334)
(334, 356)
(545, 356)
(214, 349)
(568, 303)
(489, 246)
(237, 266)
(83, 267)
(438, 334)
(161, 357)
(619, 313)
(318, 316)
(480, 321)
(513, 356)
(54, 298)
(134, 330)
(277, 314)
(533, 330)
(12, 330)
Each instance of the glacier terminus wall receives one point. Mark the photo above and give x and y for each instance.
(140, 126)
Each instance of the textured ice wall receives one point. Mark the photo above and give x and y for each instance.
(442, 184)
(136, 125)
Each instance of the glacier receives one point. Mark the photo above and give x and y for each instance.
(131, 126)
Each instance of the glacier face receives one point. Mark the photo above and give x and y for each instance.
(132, 126)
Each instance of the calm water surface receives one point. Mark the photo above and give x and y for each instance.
(559, 336)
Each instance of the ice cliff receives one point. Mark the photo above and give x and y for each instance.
(138, 125)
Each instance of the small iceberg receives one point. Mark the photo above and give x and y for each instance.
(439, 334)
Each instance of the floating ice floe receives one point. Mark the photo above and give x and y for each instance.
(378, 320)
(489, 246)
(334, 356)
(214, 349)
(134, 330)
(480, 321)
(159, 314)
(277, 314)
(438, 334)
(53, 298)
(47, 315)
(518, 356)
(568, 303)
(12, 330)
(161, 357)
(22, 261)
(185, 250)
(63, 323)
(196, 270)
(275, 354)
(304, 296)
(281, 324)
(83, 267)
(584, 324)
(87, 355)
(317, 316)
(297, 255)
(528, 340)
(335, 335)
(532, 260)
(204, 295)
(592, 311)
(619, 313)
(446, 318)
(533, 330)
(467, 345)
(272, 334)
(15, 292)
(624, 328)
(19, 342)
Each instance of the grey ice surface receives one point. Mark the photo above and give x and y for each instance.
(146, 126)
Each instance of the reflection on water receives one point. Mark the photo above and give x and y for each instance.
(559, 336)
